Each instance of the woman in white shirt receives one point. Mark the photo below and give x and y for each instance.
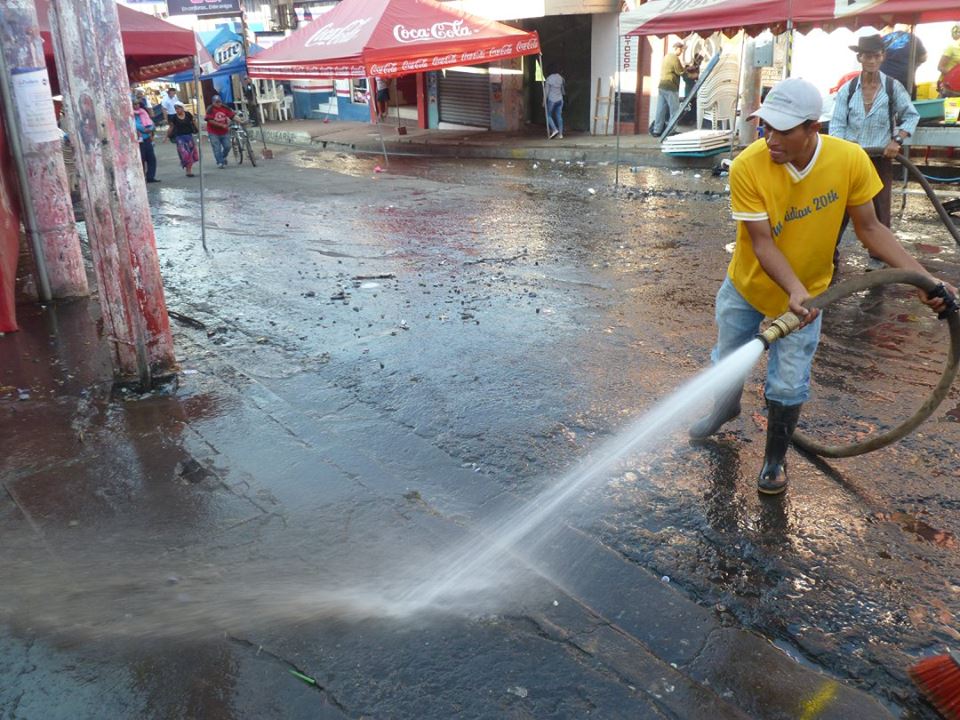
(554, 89)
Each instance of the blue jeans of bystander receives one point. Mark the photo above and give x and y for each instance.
(221, 147)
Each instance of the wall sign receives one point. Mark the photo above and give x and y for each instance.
(203, 7)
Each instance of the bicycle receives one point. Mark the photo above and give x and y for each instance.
(240, 142)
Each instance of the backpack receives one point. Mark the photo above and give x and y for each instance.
(888, 86)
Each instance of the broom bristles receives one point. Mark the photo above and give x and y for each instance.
(939, 679)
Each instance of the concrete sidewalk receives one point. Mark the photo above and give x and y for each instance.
(530, 144)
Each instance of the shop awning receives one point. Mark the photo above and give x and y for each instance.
(385, 38)
(682, 17)
(152, 48)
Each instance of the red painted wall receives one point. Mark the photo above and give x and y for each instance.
(9, 235)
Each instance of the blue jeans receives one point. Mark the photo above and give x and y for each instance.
(668, 102)
(149, 158)
(221, 147)
(788, 367)
(555, 116)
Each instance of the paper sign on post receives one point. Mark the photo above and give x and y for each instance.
(31, 94)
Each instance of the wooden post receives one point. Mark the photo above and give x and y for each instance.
(44, 192)
(96, 93)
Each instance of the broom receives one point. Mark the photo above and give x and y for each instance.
(939, 679)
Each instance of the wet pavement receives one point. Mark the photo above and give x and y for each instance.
(375, 368)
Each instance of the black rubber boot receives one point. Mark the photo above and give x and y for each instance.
(725, 408)
(781, 422)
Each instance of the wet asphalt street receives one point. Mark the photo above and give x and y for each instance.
(376, 364)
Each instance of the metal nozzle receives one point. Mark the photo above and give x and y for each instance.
(779, 328)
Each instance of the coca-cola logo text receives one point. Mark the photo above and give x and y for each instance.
(531, 44)
(437, 31)
(390, 68)
(329, 34)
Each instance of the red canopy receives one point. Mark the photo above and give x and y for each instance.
(153, 48)
(669, 17)
(384, 38)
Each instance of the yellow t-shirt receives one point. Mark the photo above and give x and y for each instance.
(952, 53)
(804, 208)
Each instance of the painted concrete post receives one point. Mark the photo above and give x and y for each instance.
(47, 188)
(96, 93)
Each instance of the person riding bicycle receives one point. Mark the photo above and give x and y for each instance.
(218, 119)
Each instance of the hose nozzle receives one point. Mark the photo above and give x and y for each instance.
(950, 302)
(779, 328)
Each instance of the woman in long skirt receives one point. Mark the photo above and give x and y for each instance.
(183, 126)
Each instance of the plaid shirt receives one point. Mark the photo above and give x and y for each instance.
(872, 130)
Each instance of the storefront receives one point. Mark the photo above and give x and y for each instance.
(464, 96)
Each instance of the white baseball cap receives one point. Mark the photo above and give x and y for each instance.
(790, 103)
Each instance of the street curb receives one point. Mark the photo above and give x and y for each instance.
(740, 666)
(484, 151)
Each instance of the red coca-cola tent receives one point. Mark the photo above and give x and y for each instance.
(670, 17)
(385, 38)
(152, 48)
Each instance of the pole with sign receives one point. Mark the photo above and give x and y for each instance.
(36, 144)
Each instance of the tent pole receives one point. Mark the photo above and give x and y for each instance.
(203, 216)
(734, 125)
(543, 91)
(243, 95)
(373, 97)
(397, 96)
(619, 66)
(788, 65)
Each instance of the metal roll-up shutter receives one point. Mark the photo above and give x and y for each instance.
(465, 98)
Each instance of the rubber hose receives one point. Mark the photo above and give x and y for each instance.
(932, 194)
(859, 284)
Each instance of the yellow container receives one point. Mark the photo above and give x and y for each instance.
(926, 90)
(951, 110)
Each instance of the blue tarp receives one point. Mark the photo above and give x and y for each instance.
(225, 48)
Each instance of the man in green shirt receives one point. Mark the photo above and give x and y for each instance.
(668, 92)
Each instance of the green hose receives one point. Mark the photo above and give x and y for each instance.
(859, 284)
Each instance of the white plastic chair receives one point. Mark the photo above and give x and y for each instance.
(721, 109)
(285, 108)
(714, 95)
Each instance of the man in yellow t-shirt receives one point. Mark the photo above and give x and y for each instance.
(948, 61)
(788, 192)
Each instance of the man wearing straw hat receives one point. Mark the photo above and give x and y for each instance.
(788, 192)
(874, 110)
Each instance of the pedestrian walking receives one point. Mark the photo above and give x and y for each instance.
(383, 97)
(145, 132)
(554, 88)
(874, 111)
(788, 193)
(183, 127)
(218, 130)
(169, 103)
(668, 91)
